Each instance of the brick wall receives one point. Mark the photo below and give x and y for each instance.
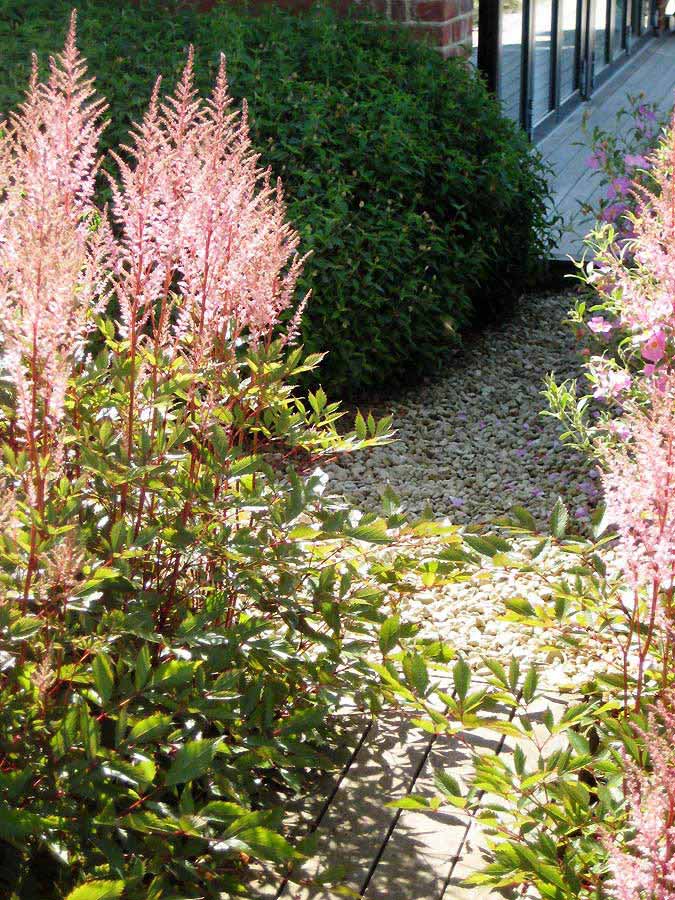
(444, 24)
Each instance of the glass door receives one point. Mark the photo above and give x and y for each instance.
(543, 99)
(542, 57)
(511, 56)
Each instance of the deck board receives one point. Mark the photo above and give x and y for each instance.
(357, 824)
(424, 844)
(391, 854)
(652, 72)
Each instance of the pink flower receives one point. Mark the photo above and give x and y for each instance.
(207, 257)
(620, 429)
(597, 159)
(646, 113)
(599, 325)
(611, 213)
(53, 259)
(633, 161)
(644, 865)
(611, 383)
(654, 348)
(619, 187)
(639, 490)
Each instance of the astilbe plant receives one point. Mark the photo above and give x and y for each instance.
(638, 484)
(630, 317)
(181, 608)
(642, 867)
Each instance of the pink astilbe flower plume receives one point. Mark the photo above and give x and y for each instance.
(639, 489)
(53, 243)
(643, 868)
(239, 264)
(646, 288)
(207, 255)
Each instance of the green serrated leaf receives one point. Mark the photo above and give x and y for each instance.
(559, 519)
(104, 677)
(267, 844)
(142, 667)
(149, 729)
(192, 761)
(461, 676)
(389, 634)
(530, 685)
(97, 890)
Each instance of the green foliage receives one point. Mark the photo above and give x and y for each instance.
(168, 670)
(423, 207)
(555, 782)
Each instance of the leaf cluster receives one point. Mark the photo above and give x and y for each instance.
(179, 619)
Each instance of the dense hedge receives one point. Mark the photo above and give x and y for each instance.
(423, 206)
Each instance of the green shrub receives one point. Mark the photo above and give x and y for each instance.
(423, 207)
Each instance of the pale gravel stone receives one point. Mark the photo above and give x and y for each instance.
(470, 445)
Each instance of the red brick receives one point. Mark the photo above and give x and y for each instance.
(399, 11)
(435, 10)
(435, 35)
(444, 24)
(460, 31)
(454, 51)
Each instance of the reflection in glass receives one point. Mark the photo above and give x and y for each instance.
(568, 48)
(512, 38)
(474, 35)
(618, 45)
(600, 35)
(541, 98)
(646, 10)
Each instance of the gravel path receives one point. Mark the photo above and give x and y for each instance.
(473, 443)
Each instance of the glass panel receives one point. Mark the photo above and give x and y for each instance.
(600, 35)
(541, 98)
(568, 48)
(620, 12)
(474, 35)
(512, 38)
(646, 10)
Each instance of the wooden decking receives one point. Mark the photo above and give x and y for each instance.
(393, 854)
(651, 71)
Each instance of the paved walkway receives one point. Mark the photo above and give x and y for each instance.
(390, 854)
(652, 71)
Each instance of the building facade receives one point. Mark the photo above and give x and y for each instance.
(543, 57)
